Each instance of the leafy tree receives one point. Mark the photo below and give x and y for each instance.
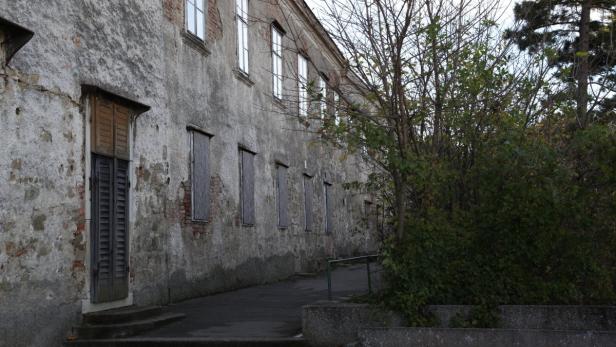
(579, 38)
(434, 75)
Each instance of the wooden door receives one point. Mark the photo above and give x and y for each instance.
(110, 200)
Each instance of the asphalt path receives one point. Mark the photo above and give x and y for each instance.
(272, 310)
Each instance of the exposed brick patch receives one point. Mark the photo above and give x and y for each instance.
(78, 265)
(173, 10)
(199, 227)
(214, 23)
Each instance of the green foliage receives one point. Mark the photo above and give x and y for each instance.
(531, 222)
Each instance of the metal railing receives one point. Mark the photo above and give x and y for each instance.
(331, 262)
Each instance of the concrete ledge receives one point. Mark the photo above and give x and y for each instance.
(333, 323)
(445, 337)
(550, 317)
(330, 323)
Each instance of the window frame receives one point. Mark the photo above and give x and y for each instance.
(194, 31)
(243, 51)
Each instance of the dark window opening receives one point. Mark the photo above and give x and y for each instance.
(200, 176)
(247, 187)
(282, 191)
(308, 202)
(328, 208)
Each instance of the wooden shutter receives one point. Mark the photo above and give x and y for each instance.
(120, 230)
(121, 136)
(102, 127)
(103, 227)
(247, 188)
(283, 196)
(200, 177)
(329, 220)
(110, 128)
(308, 202)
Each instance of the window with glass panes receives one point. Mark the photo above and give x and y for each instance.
(241, 9)
(323, 91)
(302, 84)
(276, 62)
(195, 18)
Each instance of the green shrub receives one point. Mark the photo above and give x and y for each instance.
(530, 222)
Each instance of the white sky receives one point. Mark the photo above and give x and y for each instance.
(506, 7)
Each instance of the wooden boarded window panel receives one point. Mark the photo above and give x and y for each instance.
(110, 128)
(102, 126)
(329, 218)
(200, 177)
(247, 187)
(308, 202)
(369, 215)
(121, 136)
(283, 196)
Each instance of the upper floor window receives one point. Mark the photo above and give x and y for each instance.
(302, 84)
(195, 18)
(241, 9)
(323, 92)
(276, 62)
(336, 108)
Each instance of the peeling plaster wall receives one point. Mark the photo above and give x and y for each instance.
(138, 48)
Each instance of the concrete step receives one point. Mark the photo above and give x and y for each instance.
(192, 342)
(125, 329)
(122, 315)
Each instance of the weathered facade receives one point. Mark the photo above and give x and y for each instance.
(125, 86)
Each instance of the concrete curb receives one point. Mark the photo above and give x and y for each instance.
(445, 337)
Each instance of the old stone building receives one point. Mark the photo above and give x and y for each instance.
(154, 151)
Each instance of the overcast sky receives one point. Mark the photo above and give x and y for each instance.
(506, 7)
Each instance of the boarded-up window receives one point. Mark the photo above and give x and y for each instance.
(380, 219)
(328, 208)
(200, 177)
(247, 187)
(369, 215)
(282, 191)
(308, 202)
(110, 128)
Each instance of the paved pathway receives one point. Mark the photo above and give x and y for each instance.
(272, 310)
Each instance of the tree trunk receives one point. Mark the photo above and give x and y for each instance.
(583, 64)
(400, 201)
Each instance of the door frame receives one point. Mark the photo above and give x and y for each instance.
(89, 92)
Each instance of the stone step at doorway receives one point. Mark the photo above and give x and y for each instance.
(122, 322)
(194, 342)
